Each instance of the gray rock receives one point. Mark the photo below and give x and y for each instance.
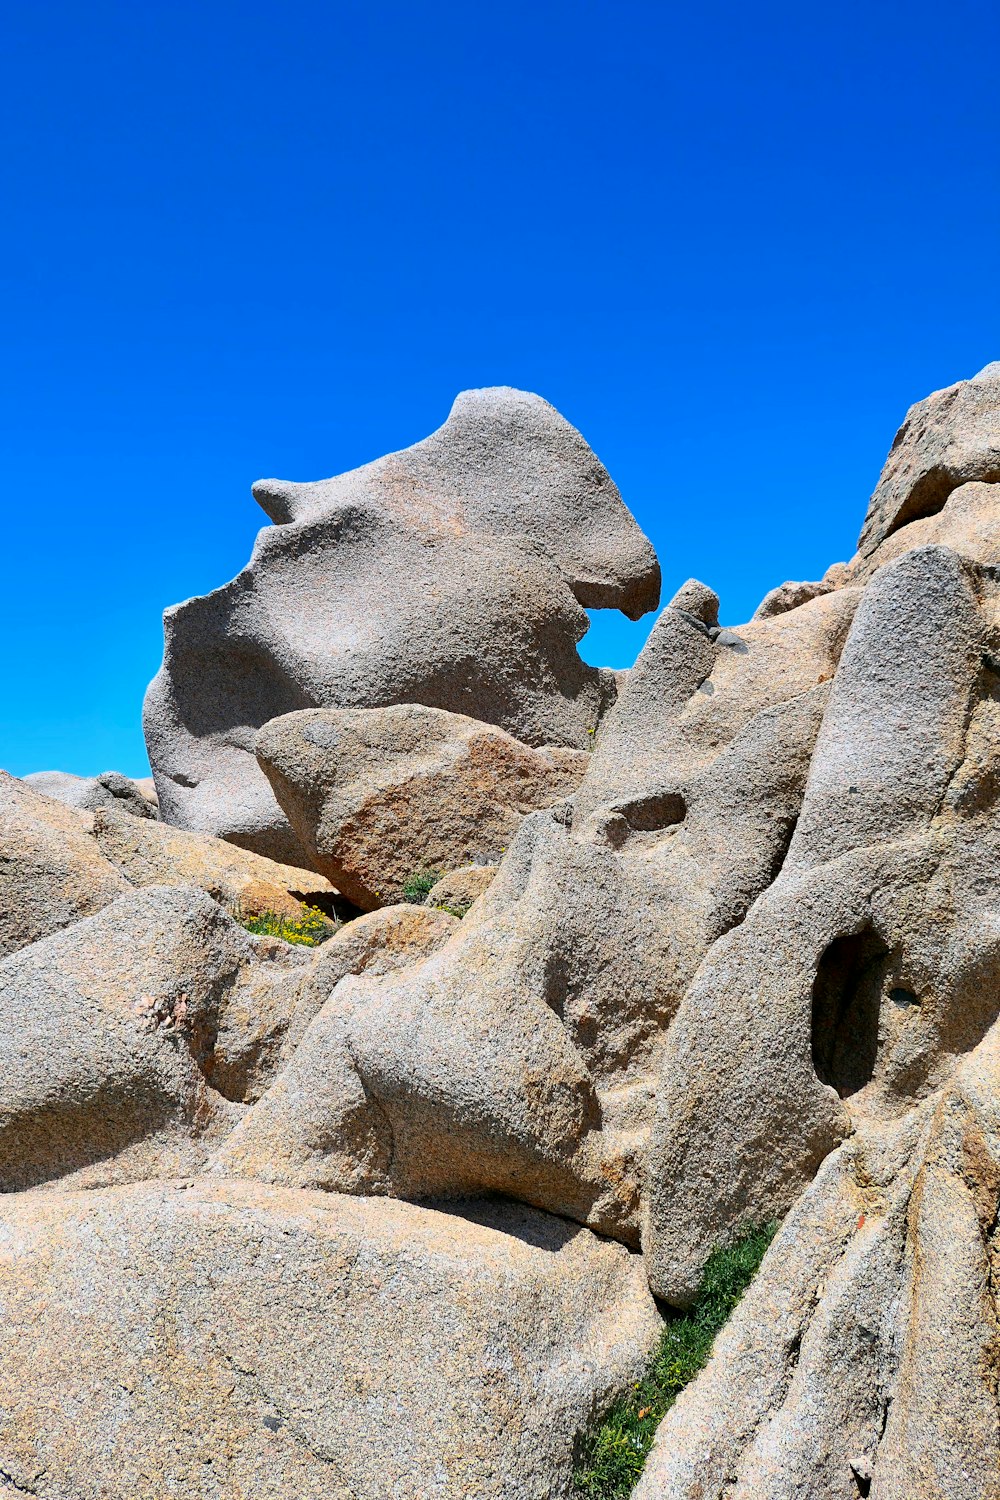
(789, 596)
(109, 789)
(790, 1029)
(865, 1349)
(51, 870)
(376, 795)
(946, 440)
(304, 1346)
(108, 1038)
(454, 574)
(522, 1056)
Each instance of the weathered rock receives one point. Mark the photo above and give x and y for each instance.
(967, 523)
(459, 888)
(302, 1345)
(853, 981)
(863, 1359)
(109, 1035)
(521, 1057)
(155, 854)
(789, 596)
(109, 789)
(455, 574)
(946, 440)
(51, 871)
(375, 795)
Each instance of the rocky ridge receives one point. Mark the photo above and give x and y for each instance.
(386, 1217)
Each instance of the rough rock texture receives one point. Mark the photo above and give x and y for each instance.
(789, 596)
(58, 864)
(51, 871)
(454, 574)
(155, 854)
(375, 795)
(108, 1037)
(109, 789)
(747, 968)
(860, 974)
(521, 1057)
(948, 439)
(863, 1360)
(459, 888)
(303, 1346)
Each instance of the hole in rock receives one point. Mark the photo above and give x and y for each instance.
(656, 811)
(845, 1011)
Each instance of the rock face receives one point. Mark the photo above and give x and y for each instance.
(201, 1381)
(739, 962)
(58, 864)
(454, 574)
(949, 439)
(109, 789)
(375, 795)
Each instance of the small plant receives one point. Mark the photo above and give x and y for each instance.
(613, 1454)
(309, 930)
(417, 887)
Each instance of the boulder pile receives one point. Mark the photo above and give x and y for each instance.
(637, 963)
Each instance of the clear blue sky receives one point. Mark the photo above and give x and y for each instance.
(731, 243)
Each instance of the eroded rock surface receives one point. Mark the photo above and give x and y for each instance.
(305, 1345)
(376, 795)
(455, 574)
(109, 789)
(745, 967)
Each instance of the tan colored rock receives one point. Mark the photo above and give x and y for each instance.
(456, 574)
(947, 440)
(113, 1031)
(861, 973)
(375, 795)
(862, 1360)
(521, 1056)
(148, 853)
(459, 888)
(789, 596)
(967, 523)
(51, 871)
(304, 1346)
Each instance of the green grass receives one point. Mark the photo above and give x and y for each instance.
(309, 930)
(613, 1454)
(419, 885)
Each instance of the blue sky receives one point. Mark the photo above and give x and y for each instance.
(731, 243)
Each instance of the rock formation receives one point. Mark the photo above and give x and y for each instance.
(455, 574)
(109, 789)
(735, 957)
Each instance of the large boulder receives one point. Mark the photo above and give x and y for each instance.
(156, 854)
(114, 1033)
(230, 1339)
(109, 789)
(863, 1360)
(948, 439)
(375, 795)
(60, 863)
(873, 959)
(455, 574)
(51, 870)
(522, 1055)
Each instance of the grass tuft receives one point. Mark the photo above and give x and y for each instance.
(613, 1455)
(419, 885)
(309, 930)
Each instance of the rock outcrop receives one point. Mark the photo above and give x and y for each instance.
(304, 1345)
(109, 789)
(375, 795)
(735, 958)
(59, 864)
(455, 574)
